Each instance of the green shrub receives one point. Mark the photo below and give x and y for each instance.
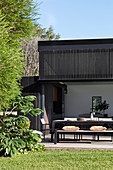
(15, 135)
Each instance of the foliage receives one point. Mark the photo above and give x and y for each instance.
(17, 26)
(61, 159)
(31, 48)
(16, 22)
(46, 34)
(20, 17)
(15, 135)
(102, 106)
(25, 105)
(10, 67)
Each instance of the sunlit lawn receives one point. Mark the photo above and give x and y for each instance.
(60, 159)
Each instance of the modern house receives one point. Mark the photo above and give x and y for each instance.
(74, 76)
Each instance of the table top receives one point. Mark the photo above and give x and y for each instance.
(85, 121)
(85, 131)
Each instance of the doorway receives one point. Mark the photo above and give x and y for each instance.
(58, 102)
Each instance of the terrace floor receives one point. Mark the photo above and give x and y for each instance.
(103, 144)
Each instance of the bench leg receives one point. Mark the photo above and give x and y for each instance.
(56, 138)
(61, 136)
(111, 138)
(98, 137)
(74, 136)
(80, 136)
(64, 136)
(94, 137)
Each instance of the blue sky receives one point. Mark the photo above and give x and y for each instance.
(76, 19)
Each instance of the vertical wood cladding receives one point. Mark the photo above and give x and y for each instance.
(31, 87)
(76, 64)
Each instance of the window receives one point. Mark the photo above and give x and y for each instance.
(95, 101)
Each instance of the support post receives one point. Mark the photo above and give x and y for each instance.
(42, 102)
(42, 99)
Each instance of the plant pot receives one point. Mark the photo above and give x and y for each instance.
(105, 115)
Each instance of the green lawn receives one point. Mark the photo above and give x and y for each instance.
(60, 159)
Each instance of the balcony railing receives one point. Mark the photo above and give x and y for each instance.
(76, 64)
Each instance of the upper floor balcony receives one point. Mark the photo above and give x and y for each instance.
(76, 60)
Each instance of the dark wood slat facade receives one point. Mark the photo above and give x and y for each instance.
(69, 61)
(31, 87)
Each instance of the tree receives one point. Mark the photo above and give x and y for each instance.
(16, 22)
(46, 34)
(31, 57)
(50, 35)
(10, 66)
(19, 15)
(31, 48)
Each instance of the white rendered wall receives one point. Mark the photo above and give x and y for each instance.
(78, 99)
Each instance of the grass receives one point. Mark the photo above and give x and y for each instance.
(60, 160)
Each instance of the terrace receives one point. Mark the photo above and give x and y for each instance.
(87, 144)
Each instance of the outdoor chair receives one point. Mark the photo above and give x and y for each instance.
(45, 127)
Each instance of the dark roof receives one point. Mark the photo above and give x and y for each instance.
(75, 44)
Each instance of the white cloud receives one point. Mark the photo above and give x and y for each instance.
(51, 20)
(47, 0)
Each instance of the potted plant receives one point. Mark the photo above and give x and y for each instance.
(102, 107)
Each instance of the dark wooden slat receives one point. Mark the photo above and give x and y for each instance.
(76, 64)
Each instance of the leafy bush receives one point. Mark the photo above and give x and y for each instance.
(15, 135)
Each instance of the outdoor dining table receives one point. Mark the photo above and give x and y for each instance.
(58, 124)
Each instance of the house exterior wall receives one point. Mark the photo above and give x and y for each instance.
(78, 99)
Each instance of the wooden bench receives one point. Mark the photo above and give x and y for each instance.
(79, 134)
